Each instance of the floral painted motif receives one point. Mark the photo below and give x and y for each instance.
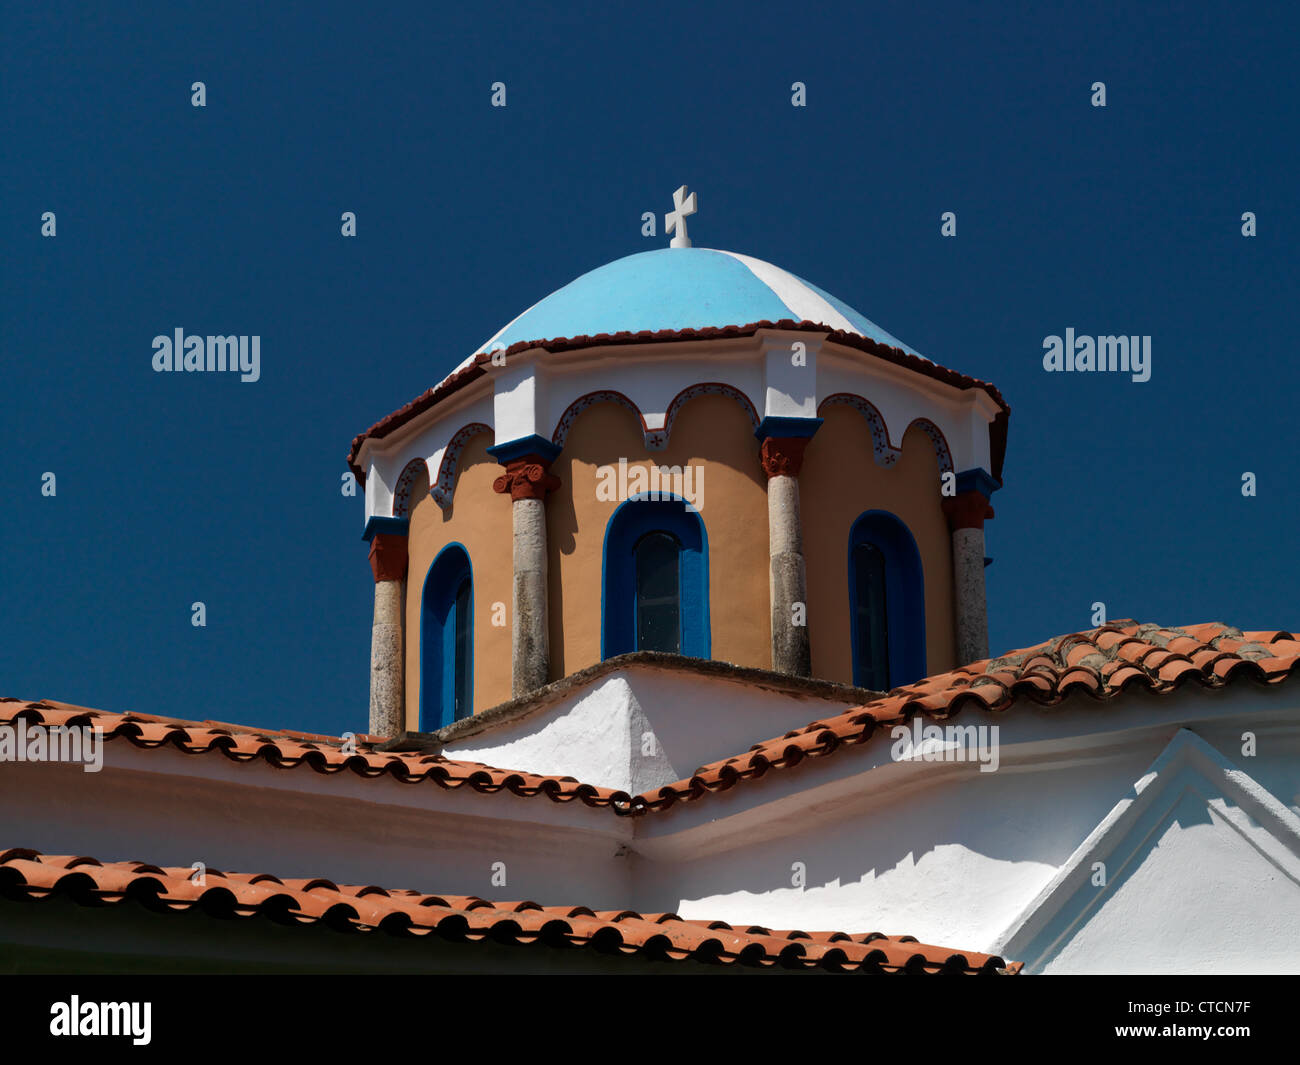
(405, 484)
(711, 388)
(442, 488)
(590, 400)
(884, 452)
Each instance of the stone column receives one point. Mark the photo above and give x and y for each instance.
(967, 512)
(527, 479)
(387, 660)
(782, 458)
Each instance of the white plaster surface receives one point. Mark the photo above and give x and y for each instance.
(531, 394)
(1201, 839)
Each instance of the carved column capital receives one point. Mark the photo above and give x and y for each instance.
(388, 556)
(967, 510)
(782, 456)
(527, 477)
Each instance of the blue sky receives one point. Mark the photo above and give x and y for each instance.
(177, 488)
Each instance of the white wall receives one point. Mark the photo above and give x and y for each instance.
(641, 727)
(1201, 841)
(530, 394)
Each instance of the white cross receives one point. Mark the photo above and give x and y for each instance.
(676, 218)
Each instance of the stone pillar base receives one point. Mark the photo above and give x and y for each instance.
(968, 583)
(387, 695)
(529, 638)
(967, 512)
(388, 558)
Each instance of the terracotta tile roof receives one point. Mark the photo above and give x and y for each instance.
(27, 874)
(287, 749)
(897, 356)
(1101, 662)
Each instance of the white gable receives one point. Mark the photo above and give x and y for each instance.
(1201, 869)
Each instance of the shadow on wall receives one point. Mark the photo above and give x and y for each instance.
(893, 849)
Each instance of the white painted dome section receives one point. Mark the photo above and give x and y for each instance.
(682, 288)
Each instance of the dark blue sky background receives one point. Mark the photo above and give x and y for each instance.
(176, 488)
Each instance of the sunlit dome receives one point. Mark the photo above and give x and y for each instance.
(682, 288)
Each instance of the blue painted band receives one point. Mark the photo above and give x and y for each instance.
(389, 526)
(783, 425)
(524, 445)
(977, 480)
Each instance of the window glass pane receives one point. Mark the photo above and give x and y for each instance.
(658, 593)
(460, 655)
(872, 650)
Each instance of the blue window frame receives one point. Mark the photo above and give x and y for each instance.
(447, 640)
(655, 585)
(886, 603)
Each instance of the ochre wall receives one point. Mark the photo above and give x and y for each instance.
(479, 519)
(710, 431)
(840, 480)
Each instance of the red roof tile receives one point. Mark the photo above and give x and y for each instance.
(1102, 663)
(897, 356)
(28, 874)
(325, 754)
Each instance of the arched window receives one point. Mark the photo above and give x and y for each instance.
(886, 603)
(447, 640)
(656, 580)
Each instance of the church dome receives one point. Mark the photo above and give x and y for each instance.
(682, 288)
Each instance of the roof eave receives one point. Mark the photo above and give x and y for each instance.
(457, 380)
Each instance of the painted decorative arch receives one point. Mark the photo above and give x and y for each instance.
(940, 442)
(406, 483)
(588, 401)
(882, 450)
(708, 388)
(442, 487)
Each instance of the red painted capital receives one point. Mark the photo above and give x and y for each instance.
(527, 477)
(388, 557)
(782, 456)
(967, 510)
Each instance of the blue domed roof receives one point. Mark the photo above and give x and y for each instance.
(682, 288)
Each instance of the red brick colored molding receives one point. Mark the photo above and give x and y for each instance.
(527, 477)
(782, 456)
(967, 510)
(388, 556)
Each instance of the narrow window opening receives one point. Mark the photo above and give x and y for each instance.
(872, 628)
(461, 654)
(658, 593)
